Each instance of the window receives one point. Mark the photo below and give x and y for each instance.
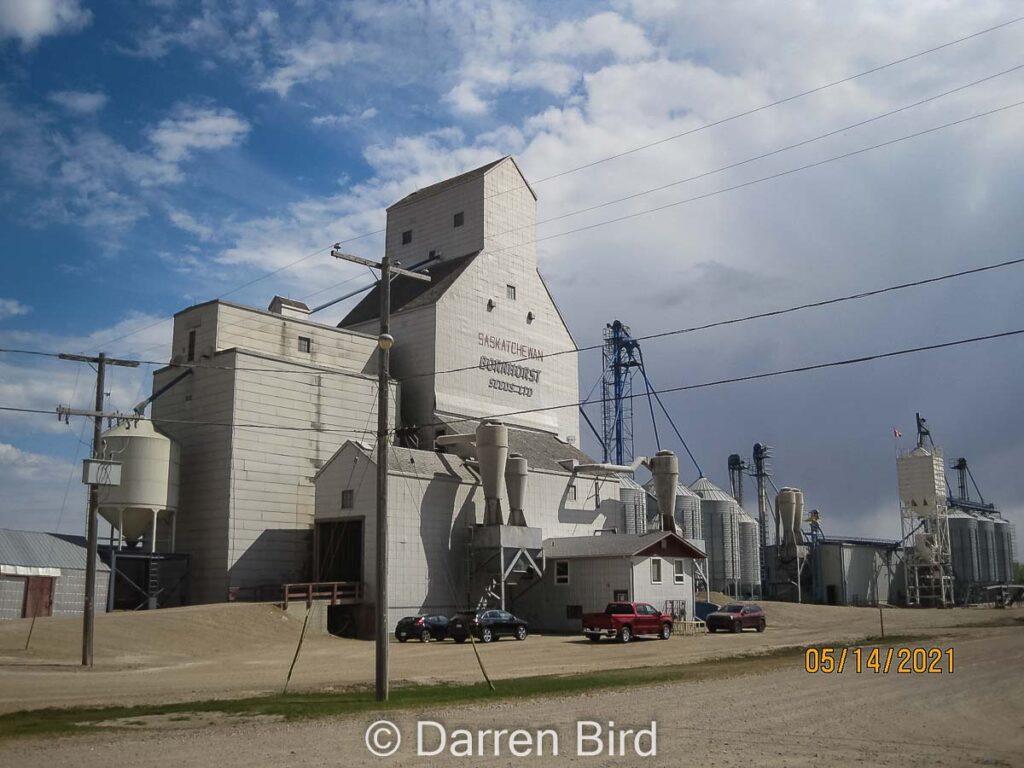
(680, 572)
(191, 345)
(305, 344)
(574, 611)
(407, 237)
(572, 492)
(561, 571)
(459, 219)
(348, 499)
(656, 570)
(510, 292)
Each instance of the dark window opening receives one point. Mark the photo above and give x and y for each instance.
(305, 344)
(459, 219)
(574, 611)
(572, 493)
(561, 571)
(510, 292)
(407, 237)
(191, 346)
(348, 499)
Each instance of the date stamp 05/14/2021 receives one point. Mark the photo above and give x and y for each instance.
(879, 660)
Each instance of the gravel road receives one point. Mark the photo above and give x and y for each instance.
(974, 717)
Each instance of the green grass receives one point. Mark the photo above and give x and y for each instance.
(299, 706)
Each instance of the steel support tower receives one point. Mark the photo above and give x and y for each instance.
(924, 518)
(619, 358)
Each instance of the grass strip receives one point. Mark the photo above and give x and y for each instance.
(301, 706)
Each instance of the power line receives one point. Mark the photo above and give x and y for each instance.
(230, 424)
(750, 183)
(756, 316)
(750, 377)
(633, 150)
(579, 403)
(576, 350)
(762, 156)
(761, 179)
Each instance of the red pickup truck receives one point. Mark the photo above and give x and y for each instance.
(624, 621)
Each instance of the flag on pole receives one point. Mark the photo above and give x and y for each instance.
(896, 433)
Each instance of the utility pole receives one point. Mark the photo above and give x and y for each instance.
(384, 343)
(89, 605)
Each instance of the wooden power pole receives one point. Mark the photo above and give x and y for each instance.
(384, 343)
(89, 606)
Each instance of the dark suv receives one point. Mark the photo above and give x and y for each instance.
(736, 617)
(486, 626)
(423, 628)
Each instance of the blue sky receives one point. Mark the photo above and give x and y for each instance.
(156, 154)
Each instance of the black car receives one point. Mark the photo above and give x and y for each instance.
(423, 628)
(486, 626)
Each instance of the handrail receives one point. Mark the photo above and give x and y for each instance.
(338, 592)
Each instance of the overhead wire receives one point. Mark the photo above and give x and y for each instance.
(576, 350)
(762, 156)
(634, 150)
(748, 377)
(576, 404)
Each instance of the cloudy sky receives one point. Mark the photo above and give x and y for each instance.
(156, 154)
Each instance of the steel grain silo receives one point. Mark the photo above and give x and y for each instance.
(750, 554)
(720, 521)
(634, 505)
(963, 540)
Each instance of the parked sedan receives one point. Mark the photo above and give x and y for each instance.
(736, 617)
(423, 628)
(486, 626)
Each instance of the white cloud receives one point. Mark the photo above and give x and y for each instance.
(347, 118)
(310, 61)
(79, 102)
(86, 178)
(602, 33)
(12, 308)
(192, 128)
(464, 99)
(187, 223)
(31, 20)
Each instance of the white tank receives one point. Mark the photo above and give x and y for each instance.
(150, 465)
(687, 511)
(789, 506)
(720, 521)
(922, 480)
(664, 468)
(516, 472)
(634, 505)
(492, 454)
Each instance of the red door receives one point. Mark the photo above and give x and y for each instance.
(38, 596)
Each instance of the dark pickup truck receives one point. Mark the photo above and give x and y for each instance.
(624, 621)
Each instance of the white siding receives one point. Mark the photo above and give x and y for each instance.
(246, 507)
(429, 518)
(465, 328)
(592, 585)
(658, 595)
(431, 220)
